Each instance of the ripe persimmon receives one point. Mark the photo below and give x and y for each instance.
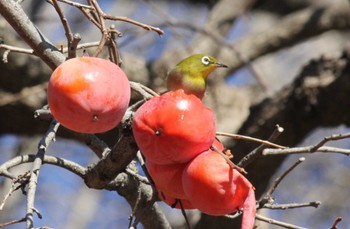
(173, 128)
(167, 178)
(88, 94)
(213, 187)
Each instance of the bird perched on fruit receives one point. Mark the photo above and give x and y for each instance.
(191, 74)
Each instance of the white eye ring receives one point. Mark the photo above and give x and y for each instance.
(206, 60)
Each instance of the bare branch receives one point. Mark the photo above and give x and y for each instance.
(103, 28)
(268, 195)
(247, 138)
(115, 160)
(330, 138)
(146, 92)
(128, 20)
(78, 5)
(10, 48)
(291, 30)
(73, 45)
(249, 158)
(233, 166)
(276, 222)
(307, 149)
(336, 222)
(12, 222)
(22, 180)
(314, 204)
(126, 186)
(43, 144)
(95, 7)
(18, 19)
(64, 21)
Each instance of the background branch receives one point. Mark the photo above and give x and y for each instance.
(18, 19)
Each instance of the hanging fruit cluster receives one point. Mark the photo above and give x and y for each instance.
(175, 132)
(88, 94)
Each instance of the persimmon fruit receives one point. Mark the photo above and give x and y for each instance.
(173, 128)
(167, 178)
(88, 94)
(214, 188)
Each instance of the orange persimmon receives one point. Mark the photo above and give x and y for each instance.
(88, 94)
(173, 128)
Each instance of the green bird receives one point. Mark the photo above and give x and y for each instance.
(191, 74)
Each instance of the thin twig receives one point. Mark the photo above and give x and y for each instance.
(307, 149)
(276, 222)
(103, 27)
(183, 212)
(52, 160)
(233, 166)
(314, 204)
(247, 138)
(113, 46)
(10, 48)
(64, 21)
(93, 8)
(42, 147)
(337, 220)
(12, 222)
(146, 92)
(268, 195)
(329, 138)
(28, 51)
(82, 46)
(22, 180)
(250, 157)
(128, 20)
(78, 5)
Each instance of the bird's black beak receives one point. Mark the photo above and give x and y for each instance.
(219, 65)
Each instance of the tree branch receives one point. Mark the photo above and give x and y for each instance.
(43, 144)
(292, 29)
(18, 19)
(276, 222)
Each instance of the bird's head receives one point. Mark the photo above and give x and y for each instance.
(199, 65)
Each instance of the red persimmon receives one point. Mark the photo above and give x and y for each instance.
(173, 128)
(88, 94)
(167, 178)
(214, 188)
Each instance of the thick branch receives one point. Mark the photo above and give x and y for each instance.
(18, 19)
(291, 30)
(136, 192)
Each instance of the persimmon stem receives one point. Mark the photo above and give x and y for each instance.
(233, 166)
(184, 214)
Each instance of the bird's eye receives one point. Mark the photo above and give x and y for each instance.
(205, 60)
